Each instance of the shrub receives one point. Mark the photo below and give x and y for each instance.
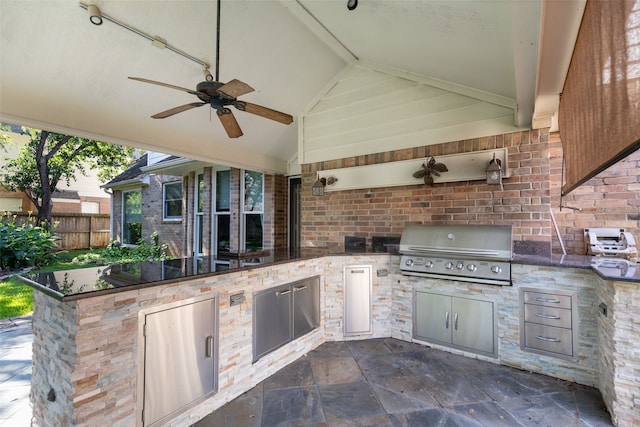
(24, 245)
(117, 253)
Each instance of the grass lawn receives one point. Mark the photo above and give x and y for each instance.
(16, 298)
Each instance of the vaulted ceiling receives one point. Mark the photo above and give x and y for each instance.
(59, 72)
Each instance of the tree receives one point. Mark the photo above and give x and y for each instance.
(50, 158)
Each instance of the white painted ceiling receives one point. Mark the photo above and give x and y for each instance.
(59, 72)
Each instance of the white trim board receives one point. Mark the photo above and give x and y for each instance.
(462, 167)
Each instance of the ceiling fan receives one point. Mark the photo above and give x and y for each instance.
(220, 96)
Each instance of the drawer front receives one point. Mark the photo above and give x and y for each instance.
(560, 317)
(548, 300)
(548, 338)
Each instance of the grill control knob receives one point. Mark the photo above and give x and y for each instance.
(472, 267)
(409, 262)
(428, 264)
(496, 269)
(449, 265)
(460, 266)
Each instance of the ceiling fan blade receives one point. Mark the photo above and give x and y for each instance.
(265, 112)
(230, 124)
(184, 89)
(235, 88)
(177, 110)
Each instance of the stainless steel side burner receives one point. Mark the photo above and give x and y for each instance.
(470, 253)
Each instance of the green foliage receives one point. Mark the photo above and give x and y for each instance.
(50, 158)
(117, 253)
(16, 298)
(24, 245)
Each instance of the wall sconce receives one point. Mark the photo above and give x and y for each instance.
(94, 14)
(494, 171)
(318, 186)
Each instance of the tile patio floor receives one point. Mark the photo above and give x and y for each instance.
(387, 382)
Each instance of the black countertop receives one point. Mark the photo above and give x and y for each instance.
(607, 267)
(88, 282)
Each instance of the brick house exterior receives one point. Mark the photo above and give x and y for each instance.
(180, 234)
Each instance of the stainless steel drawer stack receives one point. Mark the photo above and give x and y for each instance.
(548, 322)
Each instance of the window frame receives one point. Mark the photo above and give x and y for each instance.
(244, 213)
(165, 217)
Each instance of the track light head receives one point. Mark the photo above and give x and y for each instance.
(352, 4)
(94, 14)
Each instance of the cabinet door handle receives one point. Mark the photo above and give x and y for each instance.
(548, 339)
(555, 301)
(455, 321)
(446, 320)
(280, 293)
(301, 288)
(547, 316)
(208, 347)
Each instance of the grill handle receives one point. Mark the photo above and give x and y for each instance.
(465, 252)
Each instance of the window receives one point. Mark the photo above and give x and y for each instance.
(90, 207)
(199, 216)
(221, 218)
(172, 200)
(10, 204)
(131, 216)
(252, 210)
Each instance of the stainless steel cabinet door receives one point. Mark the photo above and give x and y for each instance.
(472, 324)
(432, 317)
(357, 300)
(306, 306)
(179, 358)
(271, 320)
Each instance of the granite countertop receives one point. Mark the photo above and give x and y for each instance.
(608, 268)
(88, 282)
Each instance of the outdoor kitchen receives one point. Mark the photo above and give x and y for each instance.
(435, 196)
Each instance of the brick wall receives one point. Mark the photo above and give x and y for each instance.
(611, 199)
(171, 232)
(535, 161)
(523, 201)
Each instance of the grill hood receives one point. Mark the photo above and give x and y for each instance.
(491, 242)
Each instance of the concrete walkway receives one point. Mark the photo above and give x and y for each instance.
(16, 338)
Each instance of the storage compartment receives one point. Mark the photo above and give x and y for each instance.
(357, 300)
(284, 313)
(548, 322)
(460, 322)
(180, 358)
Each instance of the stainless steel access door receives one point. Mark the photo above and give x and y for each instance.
(357, 299)
(306, 306)
(271, 320)
(179, 358)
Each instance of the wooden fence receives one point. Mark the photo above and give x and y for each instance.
(78, 231)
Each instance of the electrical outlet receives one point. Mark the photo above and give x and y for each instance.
(237, 299)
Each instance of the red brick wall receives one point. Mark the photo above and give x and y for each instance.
(535, 163)
(609, 200)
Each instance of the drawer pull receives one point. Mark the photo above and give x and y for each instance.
(446, 320)
(548, 339)
(547, 316)
(555, 301)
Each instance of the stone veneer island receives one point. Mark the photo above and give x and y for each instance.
(88, 350)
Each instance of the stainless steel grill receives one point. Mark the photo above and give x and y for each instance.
(470, 253)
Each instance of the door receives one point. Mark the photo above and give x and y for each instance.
(306, 306)
(271, 320)
(432, 317)
(179, 358)
(472, 324)
(357, 300)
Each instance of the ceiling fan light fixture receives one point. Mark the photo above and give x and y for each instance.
(95, 16)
